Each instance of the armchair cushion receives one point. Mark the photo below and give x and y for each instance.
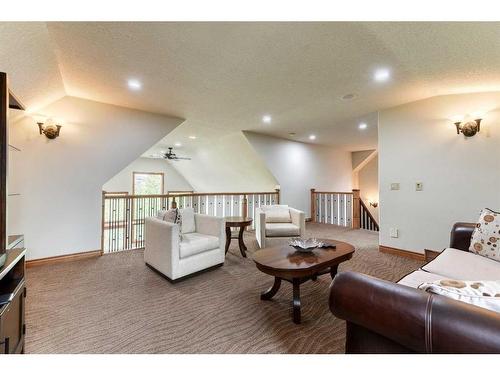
(485, 239)
(461, 265)
(196, 243)
(187, 220)
(277, 213)
(282, 230)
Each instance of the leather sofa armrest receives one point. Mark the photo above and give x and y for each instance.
(461, 234)
(411, 318)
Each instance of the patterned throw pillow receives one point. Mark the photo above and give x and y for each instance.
(485, 294)
(172, 216)
(485, 239)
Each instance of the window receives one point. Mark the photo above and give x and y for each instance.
(147, 183)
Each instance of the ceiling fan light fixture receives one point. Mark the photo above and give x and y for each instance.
(350, 96)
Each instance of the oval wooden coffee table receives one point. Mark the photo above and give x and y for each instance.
(285, 263)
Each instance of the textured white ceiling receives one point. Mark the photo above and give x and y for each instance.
(225, 76)
(27, 55)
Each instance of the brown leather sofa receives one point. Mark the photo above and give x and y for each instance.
(385, 317)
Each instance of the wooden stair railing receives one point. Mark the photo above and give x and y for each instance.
(341, 208)
(123, 215)
(367, 221)
(335, 207)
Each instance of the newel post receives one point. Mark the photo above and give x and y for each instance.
(313, 205)
(278, 196)
(355, 209)
(244, 207)
(103, 210)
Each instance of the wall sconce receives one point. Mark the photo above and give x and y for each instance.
(470, 128)
(49, 129)
(374, 204)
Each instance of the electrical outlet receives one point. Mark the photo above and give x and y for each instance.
(394, 232)
(395, 186)
(419, 186)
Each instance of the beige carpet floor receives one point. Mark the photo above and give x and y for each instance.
(115, 304)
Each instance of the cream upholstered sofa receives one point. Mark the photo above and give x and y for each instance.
(202, 244)
(278, 221)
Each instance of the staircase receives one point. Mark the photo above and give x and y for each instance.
(366, 219)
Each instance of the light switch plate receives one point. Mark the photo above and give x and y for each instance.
(419, 186)
(394, 232)
(395, 186)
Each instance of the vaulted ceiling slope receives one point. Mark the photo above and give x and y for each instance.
(27, 54)
(227, 75)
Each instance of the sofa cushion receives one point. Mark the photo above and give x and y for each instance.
(485, 240)
(282, 230)
(196, 243)
(418, 277)
(277, 213)
(484, 294)
(188, 224)
(462, 265)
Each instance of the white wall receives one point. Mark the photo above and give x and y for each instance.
(460, 176)
(298, 167)
(60, 180)
(221, 161)
(172, 180)
(368, 185)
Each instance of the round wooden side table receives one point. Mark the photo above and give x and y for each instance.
(237, 222)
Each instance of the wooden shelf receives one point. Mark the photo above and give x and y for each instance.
(15, 241)
(13, 257)
(14, 102)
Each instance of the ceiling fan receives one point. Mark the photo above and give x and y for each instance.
(172, 156)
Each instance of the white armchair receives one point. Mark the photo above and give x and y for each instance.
(278, 221)
(201, 249)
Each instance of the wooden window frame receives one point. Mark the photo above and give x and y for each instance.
(149, 173)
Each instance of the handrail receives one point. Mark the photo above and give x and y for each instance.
(333, 192)
(370, 223)
(176, 195)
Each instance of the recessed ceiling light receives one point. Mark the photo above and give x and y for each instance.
(348, 96)
(362, 126)
(134, 84)
(292, 134)
(382, 75)
(312, 137)
(266, 119)
(178, 144)
(192, 137)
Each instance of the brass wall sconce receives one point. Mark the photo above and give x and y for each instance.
(49, 129)
(470, 128)
(374, 204)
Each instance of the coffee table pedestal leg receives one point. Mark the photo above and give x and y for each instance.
(296, 300)
(333, 270)
(268, 294)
